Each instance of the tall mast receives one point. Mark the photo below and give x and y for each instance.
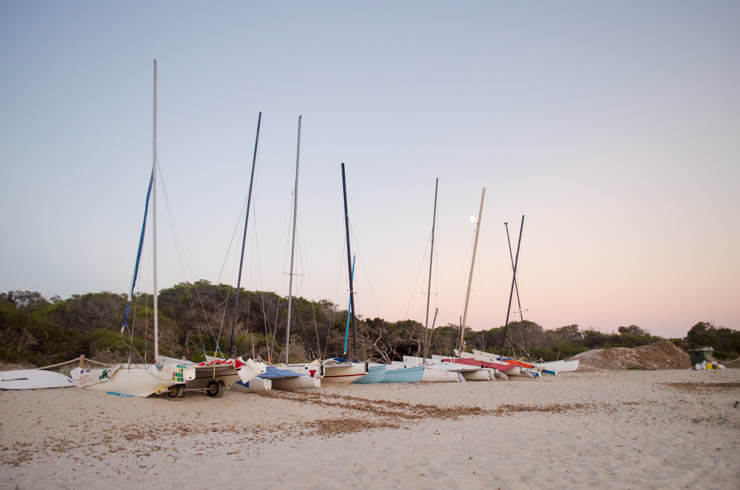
(349, 266)
(154, 216)
(516, 284)
(513, 282)
(470, 276)
(431, 260)
(292, 244)
(244, 238)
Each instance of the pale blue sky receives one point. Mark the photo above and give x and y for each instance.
(612, 125)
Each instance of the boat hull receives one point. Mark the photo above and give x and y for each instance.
(404, 375)
(296, 383)
(255, 385)
(488, 357)
(31, 379)
(375, 374)
(483, 374)
(501, 366)
(344, 374)
(551, 365)
(139, 380)
(432, 375)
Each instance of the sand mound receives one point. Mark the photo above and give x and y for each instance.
(660, 355)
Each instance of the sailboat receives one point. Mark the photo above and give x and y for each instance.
(141, 380)
(433, 371)
(216, 374)
(417, 369)
(297, 376)
(483, 373)
(341, 370)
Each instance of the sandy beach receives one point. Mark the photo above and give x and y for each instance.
(607, 429)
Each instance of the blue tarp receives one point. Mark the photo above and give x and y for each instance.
(276, 373)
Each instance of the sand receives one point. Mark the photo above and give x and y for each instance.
(662, 354)
(606, 429)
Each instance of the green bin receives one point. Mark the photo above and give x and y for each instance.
(701, 354)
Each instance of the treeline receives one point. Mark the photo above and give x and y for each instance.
(195, 318)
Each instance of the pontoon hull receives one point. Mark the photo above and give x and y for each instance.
(344, 374)
(140, 380)
(375, 374)
(404, 375)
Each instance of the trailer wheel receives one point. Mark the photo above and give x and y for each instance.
(176, 391)
(215, 389)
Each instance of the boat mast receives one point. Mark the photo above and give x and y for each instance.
(513, 281)
(244, 238)
(349, 266)
(516, 284)
(292, 245)
(154, 216)
(461, 343)
(431, 259)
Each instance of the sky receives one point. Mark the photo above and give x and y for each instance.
(612, 126)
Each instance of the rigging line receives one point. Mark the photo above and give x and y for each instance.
(435, 293)
(264, 320)
(256, 248)
(340, 268)
(366, 275)
(299, 263)
(316, 329)
(173, 225)
(231, 243)
(277, 317)
(285, 242)
(133, 351)
(416, 281)
(182, 257)
(307, 277)
(223, 317)
(437, 261)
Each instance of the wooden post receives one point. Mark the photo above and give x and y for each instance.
(82, 361)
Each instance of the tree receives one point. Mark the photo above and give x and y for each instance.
(632, 330)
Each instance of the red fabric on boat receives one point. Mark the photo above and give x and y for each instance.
(519, 363)
(485, 364)
(221, 362)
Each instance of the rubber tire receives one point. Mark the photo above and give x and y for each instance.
(214, 389)
(176, 391)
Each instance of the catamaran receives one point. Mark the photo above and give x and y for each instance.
(341, 370)
(145, 379)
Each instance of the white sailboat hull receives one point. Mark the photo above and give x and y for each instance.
(297, 383)
(551, 365)
(31, 379)
(256, 385)
(140, 380)
(483, 374)
(432, 375)
(344, 373)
